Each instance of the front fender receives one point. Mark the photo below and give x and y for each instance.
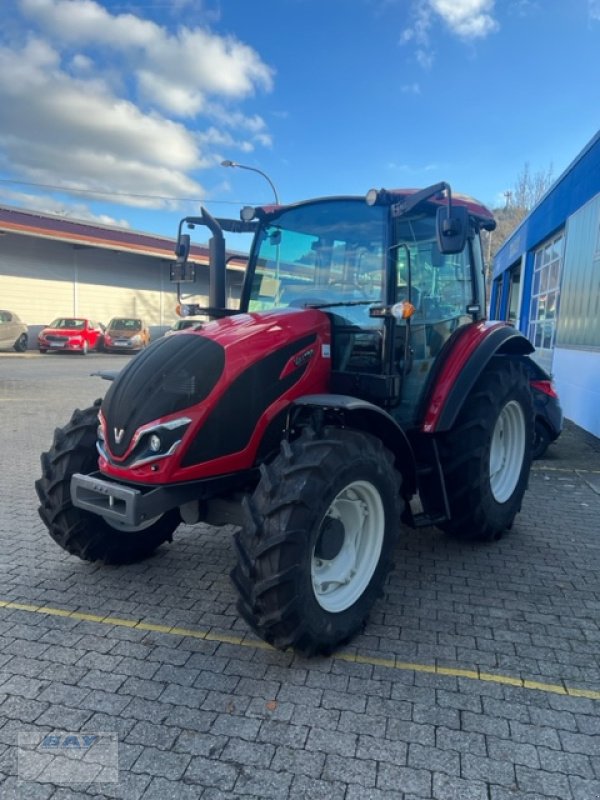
(367, 417)
(463, 359)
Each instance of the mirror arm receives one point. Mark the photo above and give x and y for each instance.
(399, 209)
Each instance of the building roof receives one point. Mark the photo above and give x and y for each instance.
(72, 231)
(577, 184)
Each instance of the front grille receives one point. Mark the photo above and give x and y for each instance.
(174, 373)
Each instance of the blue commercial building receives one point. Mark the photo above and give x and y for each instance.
(546, 279)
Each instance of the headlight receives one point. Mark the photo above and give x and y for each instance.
(151, 442)
(155, 443)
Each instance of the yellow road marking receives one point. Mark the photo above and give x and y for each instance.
(353, 658)
(491, 677)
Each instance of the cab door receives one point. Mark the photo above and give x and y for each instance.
(440, 288)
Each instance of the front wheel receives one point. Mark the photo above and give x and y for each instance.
(89, 536)
(317, 545)
(487, 455)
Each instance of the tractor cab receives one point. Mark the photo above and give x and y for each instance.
(396, 272)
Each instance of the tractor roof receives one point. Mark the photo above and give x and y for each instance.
(390, 196)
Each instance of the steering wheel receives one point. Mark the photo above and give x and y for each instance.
(350, 285)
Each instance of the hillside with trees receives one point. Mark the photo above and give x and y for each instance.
(527, 190)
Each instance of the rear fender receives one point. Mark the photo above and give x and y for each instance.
(464, 358)
(364, 416)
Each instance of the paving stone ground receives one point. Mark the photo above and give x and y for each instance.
(225, 718)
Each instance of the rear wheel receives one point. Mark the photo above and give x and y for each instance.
(487, 455)
(21, 344)
(317, 545)
(80, 533)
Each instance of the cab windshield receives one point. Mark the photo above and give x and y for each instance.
(68, 323)
(125, 324)
(321, 254)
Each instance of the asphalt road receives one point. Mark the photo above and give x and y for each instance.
(477, 677)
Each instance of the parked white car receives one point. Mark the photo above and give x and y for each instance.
(185, 324)
(13, 332)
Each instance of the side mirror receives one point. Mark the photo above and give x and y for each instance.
(182, 248)
(181, 271)
(452, 227)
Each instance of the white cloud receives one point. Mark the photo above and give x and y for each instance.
(82, 64)
(51, 205)
(77, 133)
(115, 103)
(594, 9)
(467, 19)
(194, 62)
(425, 58)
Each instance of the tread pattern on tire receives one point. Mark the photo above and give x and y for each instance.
(464, 452)
(272, 556)
(78, 532)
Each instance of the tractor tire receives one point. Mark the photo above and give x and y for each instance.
(486, 456)
(318, 540)
(89, 536)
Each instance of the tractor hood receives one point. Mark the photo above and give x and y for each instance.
(208, 395)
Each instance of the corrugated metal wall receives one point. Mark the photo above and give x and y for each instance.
(579, 315)
(41, 279)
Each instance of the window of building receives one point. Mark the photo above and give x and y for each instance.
(514, 293)
(545, 293)
(497, 299)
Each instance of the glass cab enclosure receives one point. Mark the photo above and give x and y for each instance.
(356, 262)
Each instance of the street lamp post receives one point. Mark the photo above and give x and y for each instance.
(229, 163)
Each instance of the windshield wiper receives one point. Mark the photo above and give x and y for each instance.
(347, 303)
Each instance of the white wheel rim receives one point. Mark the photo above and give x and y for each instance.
(507, 451)
(339, 582)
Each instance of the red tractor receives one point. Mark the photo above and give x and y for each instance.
(357, 387)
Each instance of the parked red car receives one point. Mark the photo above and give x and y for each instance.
(71, 333)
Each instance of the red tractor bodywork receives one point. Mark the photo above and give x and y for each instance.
(357, 375)
(269, 360)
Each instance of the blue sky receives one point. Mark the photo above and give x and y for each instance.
(121, 112)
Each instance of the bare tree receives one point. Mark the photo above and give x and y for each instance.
(527, 190)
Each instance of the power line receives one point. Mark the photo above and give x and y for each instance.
(69, 190)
